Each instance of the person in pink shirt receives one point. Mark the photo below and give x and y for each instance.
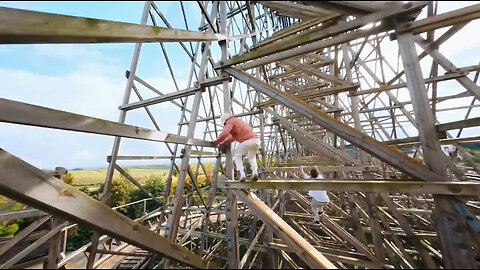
(237, 130)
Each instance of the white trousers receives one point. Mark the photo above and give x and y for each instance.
(317, 209)
(249, 148)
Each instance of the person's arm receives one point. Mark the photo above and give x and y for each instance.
(229, 140)
(320, 176)
(225, 132)
(301, 171)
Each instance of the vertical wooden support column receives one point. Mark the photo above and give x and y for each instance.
(357, 225)
(54, 244)
(105, 196)
(231, 203)
(450, 226)
(268, 233)
(262, 131)
(377, 237)
(173, 164)
(232, 230)
(178, 200)
(358, 230)
(353, 99)
(211, 196)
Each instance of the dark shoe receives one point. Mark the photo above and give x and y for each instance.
(255, 177)
(243, 179)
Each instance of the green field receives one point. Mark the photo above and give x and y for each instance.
(97, 176)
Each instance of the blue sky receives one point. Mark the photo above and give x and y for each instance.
(89, 79)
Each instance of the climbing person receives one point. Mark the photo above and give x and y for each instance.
(235, 129)
(319, 197)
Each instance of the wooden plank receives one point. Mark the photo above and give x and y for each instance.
(232, 231)
(323, 168)
(297, 10)
(22, 234)
(210, 198)
(334, 30)
(457, 16)
(27, 184)
(32, 115)
(451, 228)
(304, 249)
(31, 27)
(21, 214)
(472, 87)
(316, 94)
(411, 187)
(32, 247)
(54, 243)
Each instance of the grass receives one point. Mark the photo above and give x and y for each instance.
(97, 176)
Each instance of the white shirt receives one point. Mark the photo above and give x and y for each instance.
(319, 195)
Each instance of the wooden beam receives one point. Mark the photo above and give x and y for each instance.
(295, 9)
(322, 35)
(465, 14)
(412, 187)
(324, 169)
(317, 93)
(31, 27)
(457, 251)
(23, 234)
(175, 95)
(28, 114)
(27, 184)
(294, 240)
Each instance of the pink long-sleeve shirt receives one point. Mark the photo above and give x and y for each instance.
(235, 130)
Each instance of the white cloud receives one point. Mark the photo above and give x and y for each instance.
(96, 91)
(78, 92)
(81, 156)
(67, 52)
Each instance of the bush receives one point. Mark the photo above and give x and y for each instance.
(78, 237)
(67, 178)
(209, 167)
(121, 193)
(174, 184)
(203, 181)
(8, 230)
(155, 184)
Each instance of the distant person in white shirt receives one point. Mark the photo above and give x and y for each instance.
(319, 197)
